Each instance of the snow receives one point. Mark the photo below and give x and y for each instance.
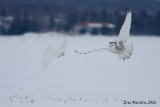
(92, 80)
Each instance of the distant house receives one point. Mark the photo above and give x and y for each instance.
(89, 26)
(5, 23)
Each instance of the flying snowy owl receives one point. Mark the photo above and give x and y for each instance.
(53, 51)
(119, 47)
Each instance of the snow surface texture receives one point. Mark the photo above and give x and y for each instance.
(92, 80)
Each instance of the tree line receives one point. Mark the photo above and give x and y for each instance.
(143, 22)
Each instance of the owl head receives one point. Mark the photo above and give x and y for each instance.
(112, 45)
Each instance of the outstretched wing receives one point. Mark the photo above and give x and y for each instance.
(63, 47)
(95, 50)
(125, 30)
(49, 54)
(53, 51)
(63, 44)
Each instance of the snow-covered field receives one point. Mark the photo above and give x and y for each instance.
(92, 80)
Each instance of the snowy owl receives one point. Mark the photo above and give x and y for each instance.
(119, 47)
(53, 51)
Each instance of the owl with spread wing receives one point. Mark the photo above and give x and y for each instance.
(119, 47)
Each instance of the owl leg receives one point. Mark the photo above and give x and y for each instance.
(127, 55)
(128, 50)
(122, 56)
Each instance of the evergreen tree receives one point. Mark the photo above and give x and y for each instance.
(94, 31)
(104, 30)
(104, 16)
(82, 31)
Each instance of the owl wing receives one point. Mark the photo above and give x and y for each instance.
(125, 30)
(63, 44)
(49, 54)
(53, 51)
(94, 50)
